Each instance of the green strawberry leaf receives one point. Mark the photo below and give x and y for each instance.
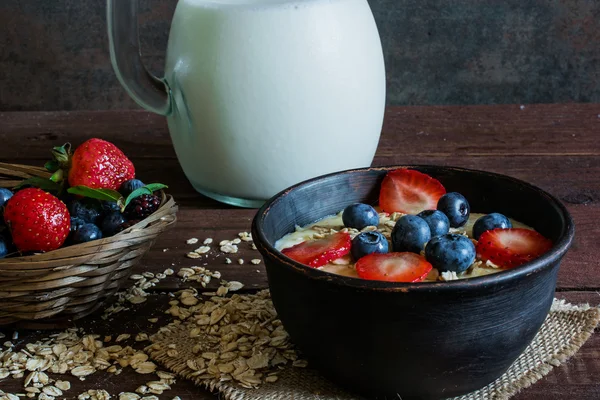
(155, 186)
(52, 166)
(58, 176)
(42, 183)
(148, 189)
(100, 194)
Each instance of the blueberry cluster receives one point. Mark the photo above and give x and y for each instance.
(429, 231)
(93, 219)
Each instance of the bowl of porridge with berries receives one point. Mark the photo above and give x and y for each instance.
(419, 281)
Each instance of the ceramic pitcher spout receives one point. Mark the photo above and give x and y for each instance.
(147, 90)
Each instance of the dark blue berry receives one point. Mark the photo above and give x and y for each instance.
(437, 221)
(86, 233)
(450, 252)
(456, 208)
(111, 223)
(108, 206)
(4, 246)
(368, 242)
(489, 222)
(142, 206)
(410, 234)
(359, 216)
(129, 186)
(5, 194)
(88, 210)
(76, 223)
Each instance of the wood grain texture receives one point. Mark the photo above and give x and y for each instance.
(553, 146)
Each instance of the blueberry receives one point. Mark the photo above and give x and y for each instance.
(4, 246)
(456, 208)
(368, 242)
(111, 223)
(86, 233)
(108, 206)
(437, 221)
(410, 234)
(359, 216)
(129, 186)
(450, 252)
(76, 223)
(5, 194)
(489, 222)
(88, 210)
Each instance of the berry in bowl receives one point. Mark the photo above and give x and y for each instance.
(431, 285)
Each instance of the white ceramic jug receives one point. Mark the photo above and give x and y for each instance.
(260, 94)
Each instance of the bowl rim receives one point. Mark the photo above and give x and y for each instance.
(535, 266)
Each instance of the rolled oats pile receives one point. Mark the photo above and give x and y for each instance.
(236, 338)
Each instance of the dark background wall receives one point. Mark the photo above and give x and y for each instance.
(53, 53)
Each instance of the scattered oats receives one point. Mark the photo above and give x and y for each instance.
(253, 247)
(157, 385)
(236, 241)
(189, 301)
(122, 337)
(165, 375)
(258, 270)
(271, 379)
(15, 335)
(300, 363)
(8, 344)
(141, 337)
(128, 396)
(83, 370)
(224, 242)
(149, 398)
(165, 250)
(142, 389)
(192, 241)
(161, 275)
(52, 391)
(137, 299)
(229, 248)
(176, 398)
(136, 277)
(193, 254)
(202, 249)
(240, 261)
(2, 335)
(245, 236)
(153, 320)
(256, 261)
(234, 286)
(227, 260)
(63, 385)
(207, 241)
(168, 272)
(146, 367)
(222, 291)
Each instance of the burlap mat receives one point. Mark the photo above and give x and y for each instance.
(565, 330)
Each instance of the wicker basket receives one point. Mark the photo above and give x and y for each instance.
(51, 289)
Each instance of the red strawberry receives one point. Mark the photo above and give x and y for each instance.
(316, 253)
(37, 220)
(393, 267)
(101, 165)
(409, 192)
(508, 248)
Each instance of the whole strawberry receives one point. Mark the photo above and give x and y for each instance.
(100, 165)
(38, 221)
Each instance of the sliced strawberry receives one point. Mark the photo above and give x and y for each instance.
(508, 248)
(409, 192)
(393, 267)
(316, 253)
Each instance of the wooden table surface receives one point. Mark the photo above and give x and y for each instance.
(556, 147)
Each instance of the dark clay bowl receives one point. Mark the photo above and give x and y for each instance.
(426, 340)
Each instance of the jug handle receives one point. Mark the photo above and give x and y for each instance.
(147, 90)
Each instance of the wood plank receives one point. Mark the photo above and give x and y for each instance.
(577, 377)
(550, 129)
